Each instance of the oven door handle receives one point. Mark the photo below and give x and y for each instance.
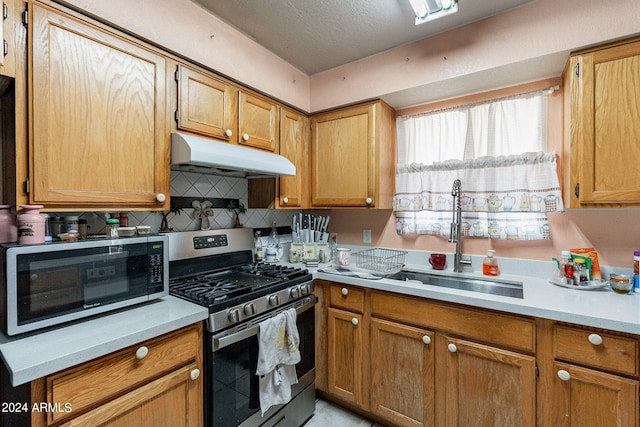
(222, 342)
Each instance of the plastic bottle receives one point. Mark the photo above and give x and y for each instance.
(580, 273)
(636, 270)
(490, 265)
(566, 267)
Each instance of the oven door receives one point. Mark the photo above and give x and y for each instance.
(232, 391)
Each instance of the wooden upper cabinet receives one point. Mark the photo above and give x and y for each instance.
(257, 122)
(212, 106)
(293, 191)
(353, 157)
(603, 126)
(10, 27)
(98, 114)
(206, 104)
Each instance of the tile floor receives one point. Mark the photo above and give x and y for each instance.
(328, 414)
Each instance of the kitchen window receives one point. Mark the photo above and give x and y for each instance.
(498, 149)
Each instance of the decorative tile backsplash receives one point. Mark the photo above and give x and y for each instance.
(184, 184)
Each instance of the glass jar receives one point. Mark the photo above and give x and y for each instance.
(112, 228)
(82, 228)
(580, 272)
(273, 240)
(71, 223)
(57, 226)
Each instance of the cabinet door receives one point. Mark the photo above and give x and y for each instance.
(343, 158)
(294, 143)
(608, 130)
(487, 386)
(171, 400)
(257, 122)
(98, 104)
(402, 373)
(9, 26)
(344, 362)
(206, 105)
(586, 397)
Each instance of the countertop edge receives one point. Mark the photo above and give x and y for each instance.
(36, 355)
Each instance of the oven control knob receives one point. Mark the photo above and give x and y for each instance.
(304, 289)
(294, 292)
(274, 300)
(249, 309)
(233, 315)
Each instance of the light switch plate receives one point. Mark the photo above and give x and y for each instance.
(366, 235)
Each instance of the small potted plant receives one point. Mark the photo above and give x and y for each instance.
(237, 209)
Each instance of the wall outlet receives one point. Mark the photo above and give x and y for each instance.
(366, 235)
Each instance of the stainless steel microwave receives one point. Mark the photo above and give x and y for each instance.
(46, 285)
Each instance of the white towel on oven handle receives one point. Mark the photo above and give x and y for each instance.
(278, 342)
(278, 352)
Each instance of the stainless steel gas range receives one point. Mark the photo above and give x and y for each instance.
(215, 269)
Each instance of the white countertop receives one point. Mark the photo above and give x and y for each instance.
(599, 308)
(35, 355)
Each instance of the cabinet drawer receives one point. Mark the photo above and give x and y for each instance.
(494, 328)
(105, 378)
(596, 349)
(347, 298)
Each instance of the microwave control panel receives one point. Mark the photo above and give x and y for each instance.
(156, 263)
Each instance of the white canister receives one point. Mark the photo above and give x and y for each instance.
(271, 254)
(343, 256)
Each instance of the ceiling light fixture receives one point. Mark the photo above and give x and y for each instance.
(428, 10)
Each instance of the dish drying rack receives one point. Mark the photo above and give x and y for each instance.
(385, 261)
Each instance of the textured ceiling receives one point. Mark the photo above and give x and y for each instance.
(316, 35)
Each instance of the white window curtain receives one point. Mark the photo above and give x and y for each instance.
(497, 150)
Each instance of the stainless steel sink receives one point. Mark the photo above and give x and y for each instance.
(505, 288)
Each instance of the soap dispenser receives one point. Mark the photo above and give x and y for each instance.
(490, 264)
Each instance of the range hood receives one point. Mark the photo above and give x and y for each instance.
(192, 153)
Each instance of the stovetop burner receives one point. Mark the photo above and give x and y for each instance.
(215, 289)
(215, 269)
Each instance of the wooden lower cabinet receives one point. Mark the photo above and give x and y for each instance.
(155, 383)
(402, 374)
(590, 375)
(585, 397)
(488, 386)
(171, 400)
(409, 361)
(345, 334)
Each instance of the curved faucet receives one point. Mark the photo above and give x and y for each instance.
(455, 235)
